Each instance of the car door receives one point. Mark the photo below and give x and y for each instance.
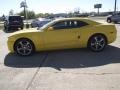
(116, 18)
(62, 36)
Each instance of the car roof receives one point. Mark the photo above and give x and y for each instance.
(43, 19)
(91, 22)
(14, 16)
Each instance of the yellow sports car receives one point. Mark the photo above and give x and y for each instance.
(63, 34)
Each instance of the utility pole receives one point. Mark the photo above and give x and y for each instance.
(24, 5)
(98, 6)
(98, 11)
(26, 14)
(115, 6)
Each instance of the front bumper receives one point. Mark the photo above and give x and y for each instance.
(10, 45)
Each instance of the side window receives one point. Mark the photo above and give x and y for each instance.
(77, 24)
(69, 24)
(60, 25)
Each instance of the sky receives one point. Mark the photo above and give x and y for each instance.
(57, 6)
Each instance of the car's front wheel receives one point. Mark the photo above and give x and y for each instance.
(97, 43)
(24, 47)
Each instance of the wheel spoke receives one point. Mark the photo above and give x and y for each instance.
(96, 39)
(24, 51)
(101, 45)
(21, 43)
(19, 48)
(96, 47)
(92, 44)
(101, 40)
(27, 44)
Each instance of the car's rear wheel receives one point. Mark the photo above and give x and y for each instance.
(97, 43)
(7, 28)
(21, 28)
(4, 27)
(109, 20)
(24, 47)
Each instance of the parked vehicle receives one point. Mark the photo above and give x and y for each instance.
(63, 34)
(113, 18)
(39, 22)
(13, 22)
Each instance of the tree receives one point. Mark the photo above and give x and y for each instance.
(11, 12)
(30, 14)
(23, 4)
(39, 15)
(70, 14)
(76, 10)
(43, 15)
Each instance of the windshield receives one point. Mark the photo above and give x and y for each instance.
(46, 25)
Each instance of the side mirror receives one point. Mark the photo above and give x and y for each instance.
(50, 29)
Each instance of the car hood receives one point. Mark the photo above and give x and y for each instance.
(25, 31)
(109, 16)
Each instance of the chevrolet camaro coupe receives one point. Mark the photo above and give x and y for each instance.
(63, 34)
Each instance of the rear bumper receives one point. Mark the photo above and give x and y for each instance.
(112, 35)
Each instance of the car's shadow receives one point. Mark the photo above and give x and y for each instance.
(74, 58)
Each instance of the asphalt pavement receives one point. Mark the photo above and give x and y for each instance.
(73, 69)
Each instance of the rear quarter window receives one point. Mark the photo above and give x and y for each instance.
(77, 24)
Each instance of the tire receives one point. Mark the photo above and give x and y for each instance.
(8, 28)
(109, 20)
(32, 26)
(24, 47)
(21, 28)
(5, 28)
(97, 43)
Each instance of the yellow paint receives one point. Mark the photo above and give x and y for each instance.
(49, 39)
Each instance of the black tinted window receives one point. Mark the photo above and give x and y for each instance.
(77, 24)
(13, 18)
(60, 25)
(69, 24)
